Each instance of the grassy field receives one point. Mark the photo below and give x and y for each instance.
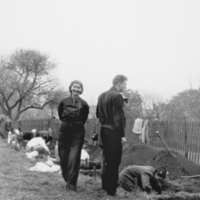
(17, 183)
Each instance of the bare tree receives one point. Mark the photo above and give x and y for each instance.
(25, 82)
(92, 112)
(54, 98)
(133, 109)
(152, 105)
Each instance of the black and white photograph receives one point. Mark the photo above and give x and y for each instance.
(99, 100)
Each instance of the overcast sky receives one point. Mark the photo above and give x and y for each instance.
(156, 43)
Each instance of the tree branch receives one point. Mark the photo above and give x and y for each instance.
(35, 107)
(4, 100)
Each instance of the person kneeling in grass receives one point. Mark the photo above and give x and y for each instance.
(145, 178)
(38, 144)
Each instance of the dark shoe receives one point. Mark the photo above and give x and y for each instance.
(103, 188)
(70, 188)
(115, 194)
(111, 193)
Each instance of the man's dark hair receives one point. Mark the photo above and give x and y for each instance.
(37, 134)
(44, 137)
(119, 79)
(160, 172)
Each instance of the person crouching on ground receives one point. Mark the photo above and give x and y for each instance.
(73, 113)
(38, 144)
(146, 178)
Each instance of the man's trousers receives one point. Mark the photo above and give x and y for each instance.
(111, 147)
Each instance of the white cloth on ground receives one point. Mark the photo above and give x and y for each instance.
(47, 166)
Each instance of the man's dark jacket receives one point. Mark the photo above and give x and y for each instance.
(110, 111)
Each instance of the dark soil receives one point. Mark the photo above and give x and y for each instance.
(137, 154)
(142, 154)
(178, 166)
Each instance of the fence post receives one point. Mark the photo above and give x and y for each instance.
(185, 140)
(95, 173)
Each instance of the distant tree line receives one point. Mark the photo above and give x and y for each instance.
(29, 91)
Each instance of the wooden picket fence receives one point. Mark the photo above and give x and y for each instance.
(54, 124)
(181, 137)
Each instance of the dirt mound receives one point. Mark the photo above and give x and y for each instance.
(172, 163)
(177, 166)
(142, 154)
(137, 154)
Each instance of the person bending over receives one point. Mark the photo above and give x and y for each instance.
(38, 144)
(146, 178)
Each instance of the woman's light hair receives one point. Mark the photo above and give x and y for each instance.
(76, 82)
(119, 79)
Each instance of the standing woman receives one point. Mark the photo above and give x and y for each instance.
(73, 112)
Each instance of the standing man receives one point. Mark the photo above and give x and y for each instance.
(112, 132)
